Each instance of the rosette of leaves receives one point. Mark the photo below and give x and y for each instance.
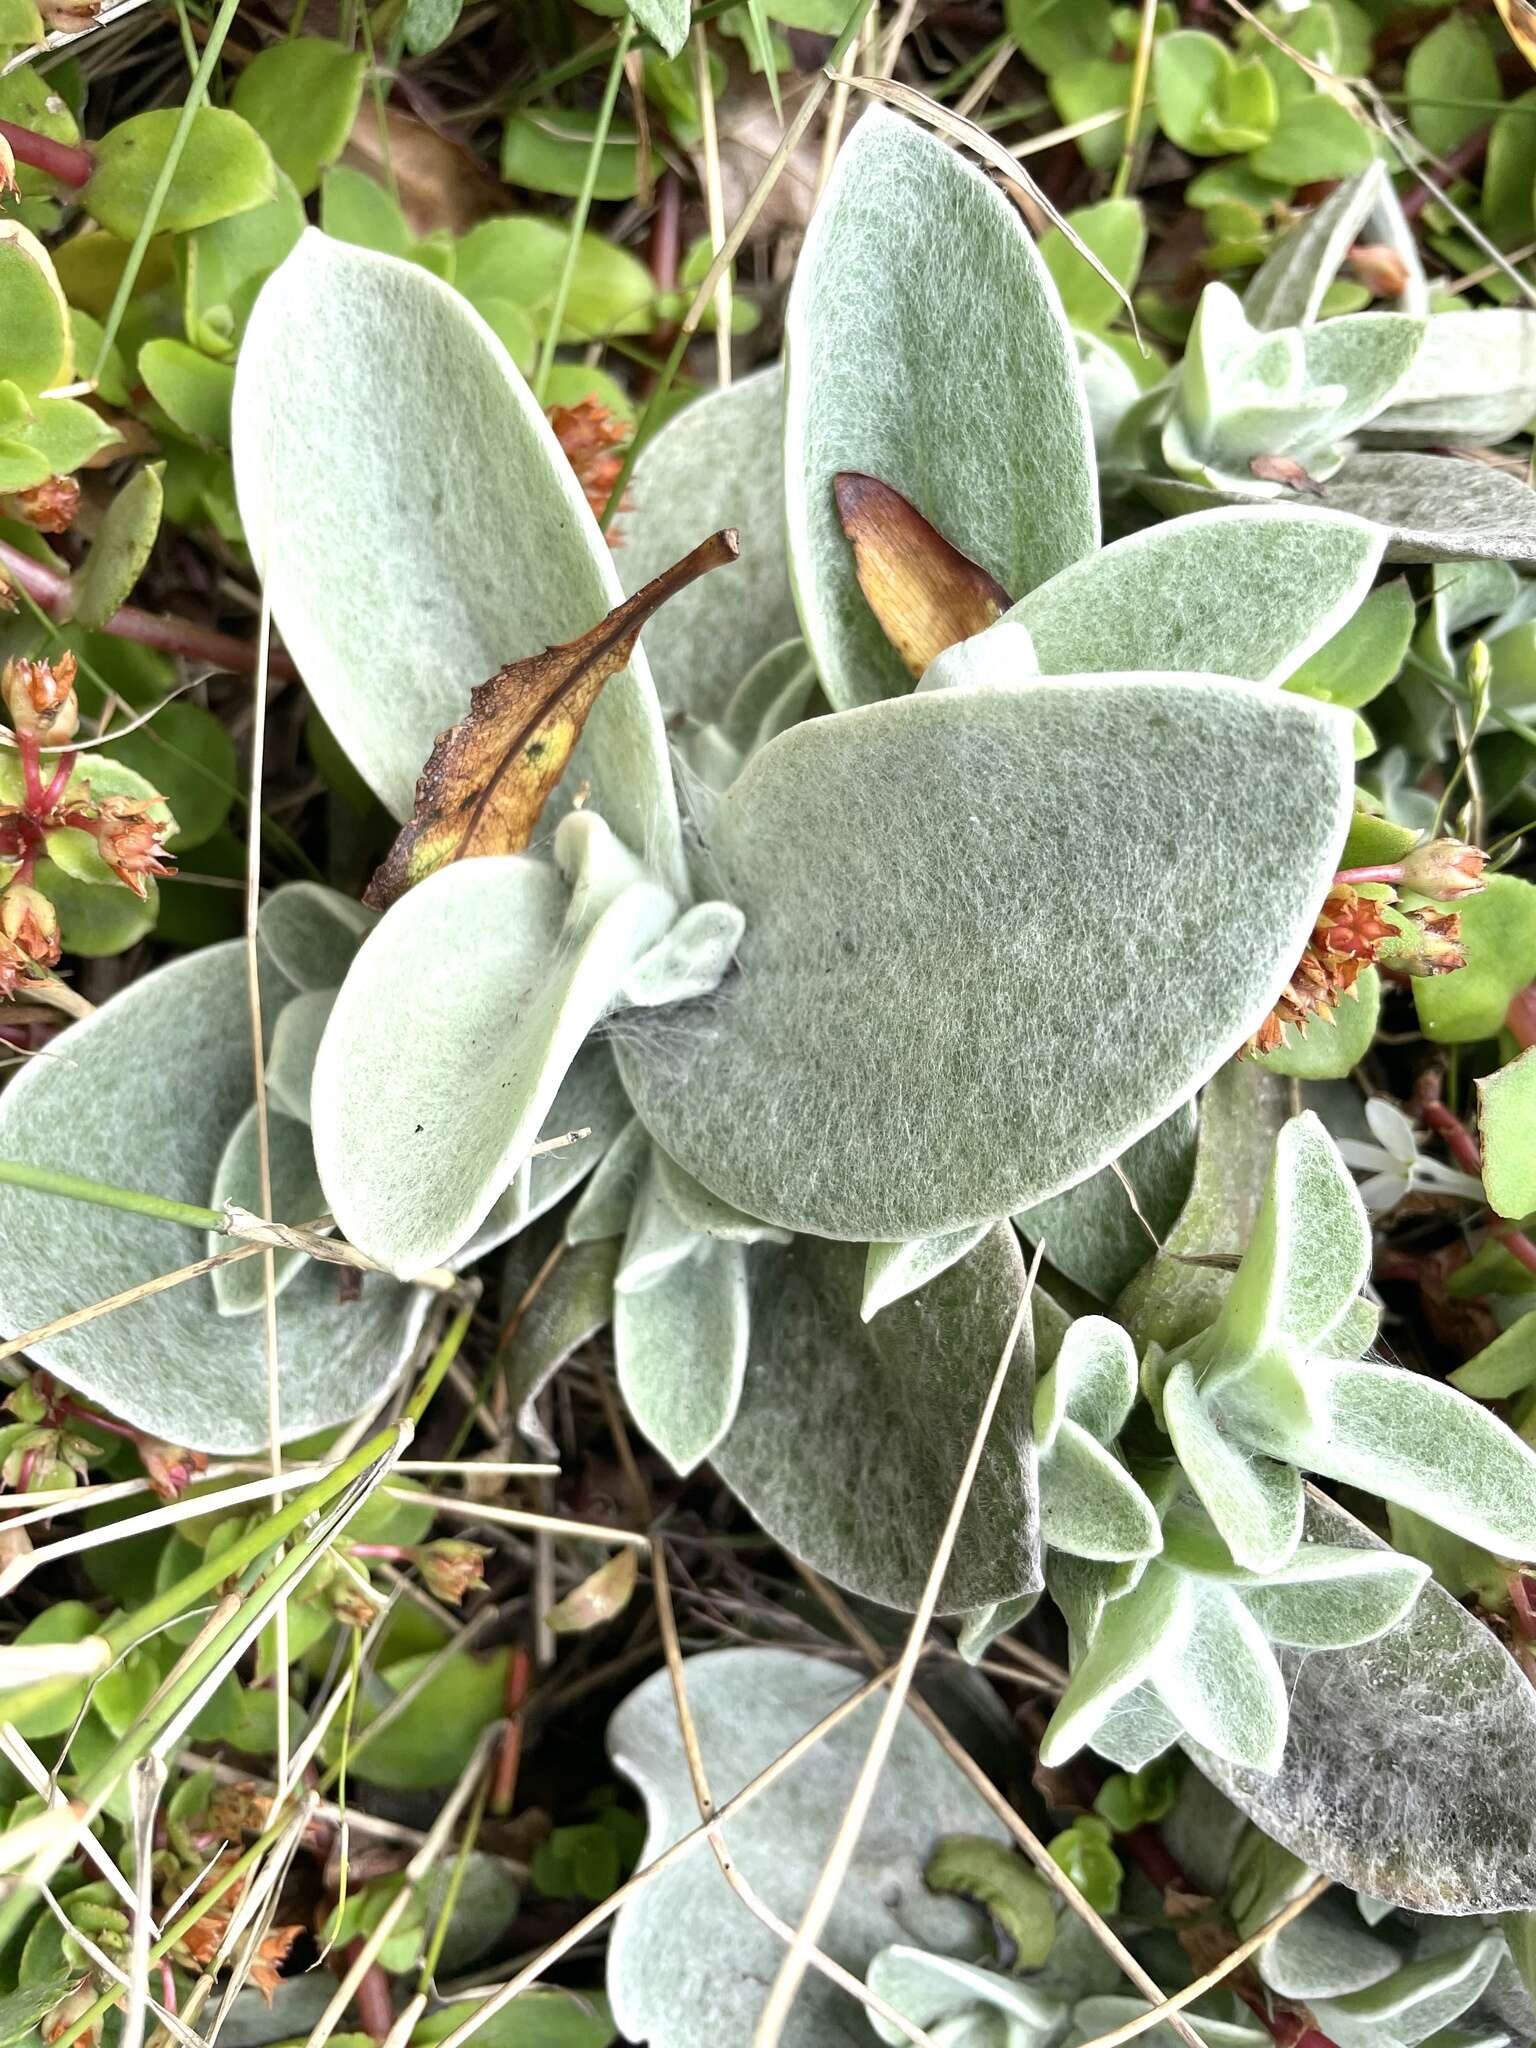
(687, 952)
(1272, 398)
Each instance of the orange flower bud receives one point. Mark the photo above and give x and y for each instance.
(450, 1567)
(50, 506)
(40, 697)
(170, 1468)
(130, 839)
(1445, 869)
(30, 922)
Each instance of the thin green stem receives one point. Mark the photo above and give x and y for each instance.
(197, 92)
(455, 1883)
(578, 221)
(74, 1187)
(1140, 71)
(952, 81)
(725, 255)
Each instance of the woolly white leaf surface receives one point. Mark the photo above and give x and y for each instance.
(1287, 288)
(1473, 383)
(1408, 1768)
(413, 1151)
(1257, 1505)
(295, 1042)
(417, 526)
(1417, 2001)
(972, 880)
(1092, 2017)
(681, 1350)
(982, 2008)
(1222, 1681)
(296, 1198)
(1134, 1635)
(146, 1094)
(1089, 1503)
(1328, 1597)
(574, 1303)
(1325, 1953)
(689, 1965)
(665, 21)
(851, 1436)
(1093, 1233)
(718, 462)
(1168, 598)
(706, 1213)
(926, 346)
(1439, 509)
(894, 1270)
(310, 933)
(1092, 1382)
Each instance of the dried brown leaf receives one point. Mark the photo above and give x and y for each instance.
(924, 592)
(1519, 17)
(489, 777)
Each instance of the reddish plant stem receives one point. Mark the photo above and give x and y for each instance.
(1520, 1018)
(60, 782)
(1389, 871)
(71, 166)
(1462, 158)
(31, 769)
(1468, 1155)
(49, 590)
(510, 1752)
(375, 2007)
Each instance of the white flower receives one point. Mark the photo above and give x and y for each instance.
(1396, 1165)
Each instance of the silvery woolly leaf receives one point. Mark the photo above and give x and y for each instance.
(892, 1271)
(719, 462)
(1410, 1439)
(691, 960)
(603, 1207)
(689, 1965)
(990, 439)
(1407, 1771)
(417, 526)
(1220, 1678)
(851, 1437)
(1473, 383)
(1163, 599)
(1093, 1232)
(1136, 1730)
(1233, 2028)
(1416, 2002)
(1133, 1635)
(980, 2008)
(981, 1628)
(574, 1303)
(706, 1213)
(680, 1345)
(1288, 287)
(771, 695)
(657, 1238)
(414, 1153)
(1010, 854)
(1092, 1382)
(1089, 1503)
(1438, 508)
(295, 1043)
(310, 933)
(1328, 1597)
(146, 1094)
(1255, 1503)
(1325, 1953)
(296, 1198)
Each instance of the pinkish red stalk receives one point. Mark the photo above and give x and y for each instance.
(1391, 872)
(49, 590)
(61, 160)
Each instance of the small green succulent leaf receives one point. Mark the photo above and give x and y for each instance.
(1331, 1050)
(749, 1705)
(1135, 1634)
(954, 302)
(718, 462)
(1090, 1506)
(1254, 1502)
(850, 826)
(1365, 654)
(1208, 102)
(1116, 231)
(399, 576)
(1000, 1879)
(1287, 288)
(120, 550)
(851, 1436)
(1498, 929)
(412, 1157)
(39, 350)
(1453, 63)
(224, 168)
(1316, 137)
(228, 261)
(1110, 611)
(1092, 1383)
(1377, 1787)
(1437, 508)
(1053, 37)
(680, 1345)
(1504, 1367)
(296, 1198)
(971, 2002)
(171, 1364)
(301, 96)
(1327, 1597)
(191, 388)
(1506, 1121)
(893, 1271)
(691, 960)
(1100, 1234)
